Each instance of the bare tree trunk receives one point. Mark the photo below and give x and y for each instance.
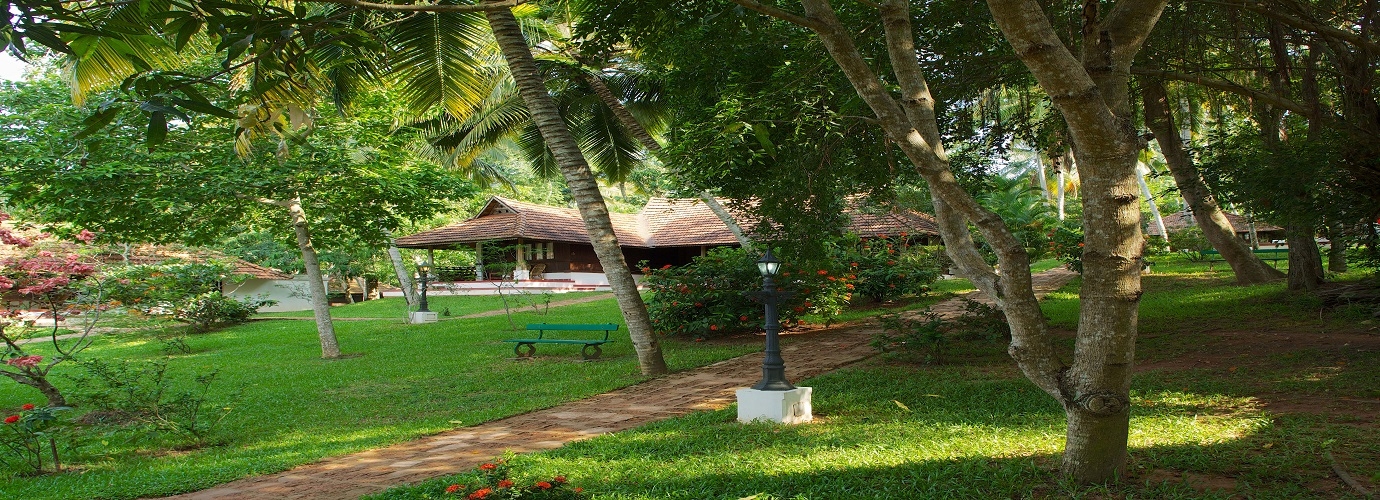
(50, 392)
(1150, 199)
(1065, 163)
(634, 127)
(320, 304)
(583, 187)
(1336, 252)
(1305, 261)
(1249, 269)
(1040, 172)
(400, 269)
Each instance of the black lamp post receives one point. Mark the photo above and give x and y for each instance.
(773, 367)
(423, 274)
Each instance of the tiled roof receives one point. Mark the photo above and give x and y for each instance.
(1184, 219)
(662, 223)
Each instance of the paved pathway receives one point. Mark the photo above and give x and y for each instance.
(706, 388)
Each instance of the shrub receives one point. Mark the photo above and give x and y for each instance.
(140, 395)
(492, 481)
(1066, 243)
(927, 336)
(1189, 240)
(185, 292)
(708, 296)
(26, 434)
(884, 269)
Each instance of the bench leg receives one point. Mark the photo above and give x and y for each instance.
(531, 349)
(591, 351)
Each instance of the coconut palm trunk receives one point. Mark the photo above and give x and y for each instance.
(584, 189)
(400, 269)
(1248, 268)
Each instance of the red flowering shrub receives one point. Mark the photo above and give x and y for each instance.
(1066, 243)
(28, 438)
(885, 268)
(707, 297)
(491, 481)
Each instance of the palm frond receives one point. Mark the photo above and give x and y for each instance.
(439, 61)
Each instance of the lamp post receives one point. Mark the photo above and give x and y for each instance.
(773, 366)
(423, 276)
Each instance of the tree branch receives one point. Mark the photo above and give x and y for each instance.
(480, 7)
(1303, 24)
(1226, 86)
(781, 14)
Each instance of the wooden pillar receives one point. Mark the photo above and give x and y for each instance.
(479, 261)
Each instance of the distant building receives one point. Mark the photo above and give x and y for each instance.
(1183, 220)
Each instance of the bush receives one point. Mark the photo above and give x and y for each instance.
(185, 292)
(1189, 240)
(30, 435)
(884, 269)
(141, 395)
(927, 337)
(707, 297)
(1066, 243)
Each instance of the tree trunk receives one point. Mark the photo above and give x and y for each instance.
(400, 269)
(1305, 261)
(1249, 269)
(634, 127)
(1065, 163)
(50, 392)
(583, 187)
(320, 303)
(1336, 252)
(1150, 199)
(1040, 172)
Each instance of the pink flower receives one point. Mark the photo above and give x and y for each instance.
(86, 236)
(24, 361)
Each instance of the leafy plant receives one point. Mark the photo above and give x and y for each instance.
(885, 268)
(25, 435)
(927, 336)
(185, 292)
(127, 393)
(1066, 243)
(492, 481)
(709, 296)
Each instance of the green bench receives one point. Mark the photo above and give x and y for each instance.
(1274, 255)
(590, 351)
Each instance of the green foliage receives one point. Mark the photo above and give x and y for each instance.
(186, 292)
(1189, 240)
(1025, 212)
(926, 338)
(31, 434)
(706, 298)
(1066, 243)
(142, 397)
(887, 267)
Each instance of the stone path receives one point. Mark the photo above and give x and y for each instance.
(706, 388)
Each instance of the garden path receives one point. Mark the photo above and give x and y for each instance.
(706, 388)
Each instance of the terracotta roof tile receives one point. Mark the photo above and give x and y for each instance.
(1184, 219)
(662, 223)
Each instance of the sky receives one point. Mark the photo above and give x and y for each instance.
(10, 68)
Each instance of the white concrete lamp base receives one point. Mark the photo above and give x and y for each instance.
(786, 407)
(418, 318)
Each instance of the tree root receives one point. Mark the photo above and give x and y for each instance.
(1346, 478)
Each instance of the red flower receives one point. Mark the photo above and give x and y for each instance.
(505, 484)
(559, 479)
(850, 286)
(882, 236)
(903, 234)
(543, 485)
(667, 266)
(1080, 244)
(579, 489)
(646, 270)
(454, 488)
(12, 419)
(799, 309)
(831, 278)
(787, 273)
(742, 318)
(27, 406)
(809, 304)
(488, 466)
(714, 328)
(484, 493)
(699, 304)
(852, 264)
(822, 272)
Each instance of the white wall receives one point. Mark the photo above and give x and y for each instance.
(292, 295)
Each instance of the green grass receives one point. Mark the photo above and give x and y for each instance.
(396, 307)
(976, 429)
(401, 382)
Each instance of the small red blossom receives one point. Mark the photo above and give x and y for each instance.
(559, 479)
(699, 304)
(822, 272)
(29, 361)
(454, 488)
(787, 273)
(646, 270)
(86, 236)
(831, 278)
(27, 406)
(809, 304)
(505, 484)
(1080, 244)
(488, 466)
(665, 267)
(882, 236)
(713, 328)
(852, 264)
(849, 286)
(12, 419)
(743, 318)
(579, 489)
(480, 494)
(543, 485)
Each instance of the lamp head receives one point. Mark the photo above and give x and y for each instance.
(768, 265)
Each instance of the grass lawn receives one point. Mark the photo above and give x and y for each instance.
(396, 307)
(289, 407)
(1241, 392)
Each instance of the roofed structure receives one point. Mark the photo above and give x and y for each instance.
(662, 223)
(1183, 220)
